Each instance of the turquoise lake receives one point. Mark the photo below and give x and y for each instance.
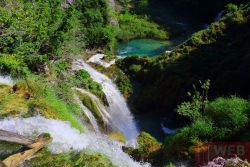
(143, 47)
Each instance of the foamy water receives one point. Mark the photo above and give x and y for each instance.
(98, 60)
(66, 138)
(88, 114)
(7, 80)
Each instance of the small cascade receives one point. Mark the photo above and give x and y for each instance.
(98, 60)
(103, 111)
(66, 138)
(7, 80)
(219, 15)
(88, 114)
(121, 117)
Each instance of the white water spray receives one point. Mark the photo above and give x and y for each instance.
(88, 114)
(121, 118)
(7, 80)
(66, 138)
(98, 60)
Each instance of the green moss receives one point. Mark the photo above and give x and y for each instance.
(83, 79)
(148, 149)
(122, 80)
(73, 159)
(118, 136)
(33, 94)
(90, 104)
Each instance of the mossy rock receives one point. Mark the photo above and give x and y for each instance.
(149, 149)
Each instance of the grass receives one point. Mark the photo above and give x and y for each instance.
(12, 103)
(34, 94)
(71, 159)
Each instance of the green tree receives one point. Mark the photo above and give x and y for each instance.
(196, 106)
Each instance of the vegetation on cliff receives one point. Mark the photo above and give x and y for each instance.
(219, 53)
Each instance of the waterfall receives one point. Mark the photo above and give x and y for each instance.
(66, 138)
(121, 118)
(103, 111)
(88, 114)
(7, 80)
(219, 15)
(98, 60)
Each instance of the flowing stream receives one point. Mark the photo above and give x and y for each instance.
(121, 117)
(66, 138)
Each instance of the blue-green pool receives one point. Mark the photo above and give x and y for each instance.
(143, 47)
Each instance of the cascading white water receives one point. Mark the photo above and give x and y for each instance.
(7, 80)
(121, 118)
(88, 114)
(103, 112)
(66, 138)
(98, 60)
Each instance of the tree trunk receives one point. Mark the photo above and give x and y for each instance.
(15, 138)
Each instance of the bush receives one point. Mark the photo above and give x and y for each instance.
(228, 114)
(134, 68)
(12, 63)
(231, 8)
(124, 85)
(133, 26)
(148, 149)
(82, 79)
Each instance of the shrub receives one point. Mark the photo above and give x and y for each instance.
(199, 99)
(202, 129)
(124, 85)
(12, 63)
(134, 68)
(82, 79)
(148, 149)
(133, 26)
(228, 114)
(231, 8)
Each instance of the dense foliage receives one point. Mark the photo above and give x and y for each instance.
(223, 119)
(39, 39)
(133, 26)
(219, 53)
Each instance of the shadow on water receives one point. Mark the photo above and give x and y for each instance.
(157, 125)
